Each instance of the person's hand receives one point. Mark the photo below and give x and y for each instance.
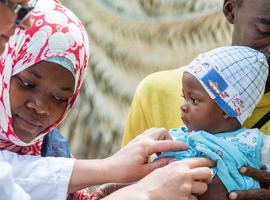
(179, 180)
(106, 189)
(131, 162)
(127, 165)
(100, 192)
(260, 193)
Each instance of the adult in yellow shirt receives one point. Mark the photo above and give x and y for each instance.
(157, 100)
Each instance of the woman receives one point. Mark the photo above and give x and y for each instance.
(9, 21)
(9, 17)
(56, 51)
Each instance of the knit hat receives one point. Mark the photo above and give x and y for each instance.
(234, 77)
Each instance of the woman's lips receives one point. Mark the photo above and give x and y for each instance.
(28, 123)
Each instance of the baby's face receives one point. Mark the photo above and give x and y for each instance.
(199, 111)
(38, 97)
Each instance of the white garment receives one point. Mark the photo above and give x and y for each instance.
(37, 176)
(8, 189)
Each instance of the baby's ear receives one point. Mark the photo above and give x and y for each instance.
(225, 116)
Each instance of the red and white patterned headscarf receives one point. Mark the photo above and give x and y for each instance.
(56, 31)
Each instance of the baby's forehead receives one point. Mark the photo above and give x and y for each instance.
(191, 82)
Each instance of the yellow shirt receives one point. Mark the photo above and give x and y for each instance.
(157, 102)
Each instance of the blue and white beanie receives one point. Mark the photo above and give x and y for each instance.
(234, 77)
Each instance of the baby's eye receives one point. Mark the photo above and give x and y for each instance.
(194, 100)
(182, 95)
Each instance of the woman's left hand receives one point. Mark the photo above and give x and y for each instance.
(260, 193)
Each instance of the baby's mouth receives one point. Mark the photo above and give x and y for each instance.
(186, 122)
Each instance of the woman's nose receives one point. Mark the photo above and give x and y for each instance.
(39, 105)
(26, 24)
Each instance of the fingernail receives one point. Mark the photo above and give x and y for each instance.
(214, 162)
(243, 169)
(233, 195)
(172, 160)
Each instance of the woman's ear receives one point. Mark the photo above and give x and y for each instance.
(225, 116)
(229, 10)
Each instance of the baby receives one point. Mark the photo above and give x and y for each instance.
(221, 89)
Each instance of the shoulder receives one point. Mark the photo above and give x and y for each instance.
(169, 80)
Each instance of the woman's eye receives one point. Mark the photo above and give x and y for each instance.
(26, 84)
(60, 99)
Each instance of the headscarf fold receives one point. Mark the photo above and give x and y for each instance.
(55, 32)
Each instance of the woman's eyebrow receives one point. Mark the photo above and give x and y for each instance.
(69, 89)
(35, 74)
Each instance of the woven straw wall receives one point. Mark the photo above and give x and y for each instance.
(130, 39)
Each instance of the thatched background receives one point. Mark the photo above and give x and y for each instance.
(130, 39)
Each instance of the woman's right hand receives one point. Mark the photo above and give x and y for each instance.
(178, 180)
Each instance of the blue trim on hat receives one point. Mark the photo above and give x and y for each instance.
(217, 87)
(225, 107)
(215, 77)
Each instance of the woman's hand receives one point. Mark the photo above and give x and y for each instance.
(178, 180)
(106, 189)
(127, 165)
(131, 162)
(260, 193)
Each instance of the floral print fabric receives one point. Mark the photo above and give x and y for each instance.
(55, 31)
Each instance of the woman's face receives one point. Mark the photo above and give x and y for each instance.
(7, 23)
(38, 97)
